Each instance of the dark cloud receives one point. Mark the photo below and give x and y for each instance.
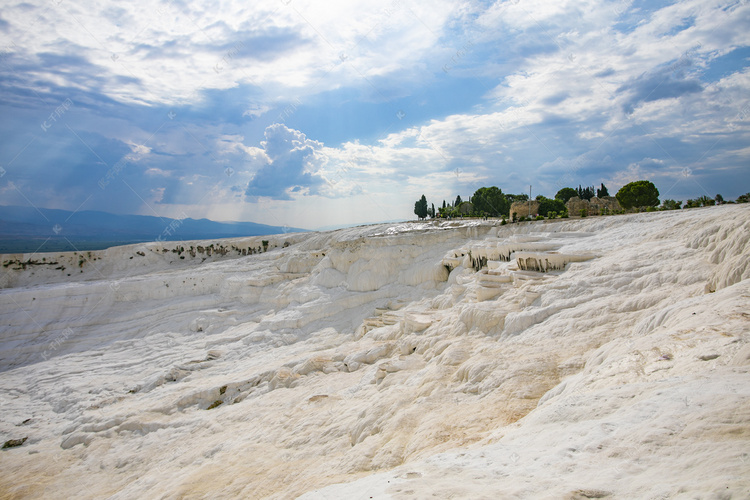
(291, 156)
(605, 72)
(187, 158)
(664, 83)
(556, 99)
(28, 80)
(262, 45)
(265, 44)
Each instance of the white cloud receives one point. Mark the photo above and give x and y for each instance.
(168, 54)
(157, 172)
(139, 149)
(256, 110)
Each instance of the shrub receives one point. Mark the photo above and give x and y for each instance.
(546, 205)
(583, 212)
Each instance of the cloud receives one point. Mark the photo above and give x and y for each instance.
(169, 53)
(661, 84)
(292, 168)
(644, 169)
(537, 92)
(157, 172)
(256, 110)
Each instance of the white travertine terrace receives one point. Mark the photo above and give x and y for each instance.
(606, 357)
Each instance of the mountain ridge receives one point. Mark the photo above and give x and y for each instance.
(30, 229)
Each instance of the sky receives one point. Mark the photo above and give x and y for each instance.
(320, 114)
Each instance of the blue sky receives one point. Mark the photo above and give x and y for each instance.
(315, 114)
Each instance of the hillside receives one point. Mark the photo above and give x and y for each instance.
(605, 357)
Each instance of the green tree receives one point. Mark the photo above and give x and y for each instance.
(671, 204)
(420, 207)
(512, 198)
(586, 193)
(719, 199)
(490, 200)
(458, 201)
(705, 201)
(744, 198)
(443, 203)
(565, 194)
(547, 205)
(601, 193)
(638, 194)
(432, 212)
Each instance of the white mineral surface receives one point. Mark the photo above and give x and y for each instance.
(606, 357)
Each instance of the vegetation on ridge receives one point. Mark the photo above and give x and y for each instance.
(490, 201)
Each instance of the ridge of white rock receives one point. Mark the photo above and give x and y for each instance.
(593, 358)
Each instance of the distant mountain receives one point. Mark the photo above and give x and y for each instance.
(27, 229)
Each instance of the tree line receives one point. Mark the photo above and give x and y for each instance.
(492, 202)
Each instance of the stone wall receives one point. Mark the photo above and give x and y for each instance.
(575, 204)
(609, 202)
(521, 208)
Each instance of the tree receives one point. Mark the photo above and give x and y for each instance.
(458, 201)
(719, 199)
(744, 198)
(432, 212)
(547, 205)
(705, 201)
(601, 193)
(671, 204)
(490, 200)
(420, 207)
(586, 193)
(638, 194)
(565, 194)
(512, 198)
(443, 203)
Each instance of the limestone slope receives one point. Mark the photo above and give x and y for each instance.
(604, 356)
